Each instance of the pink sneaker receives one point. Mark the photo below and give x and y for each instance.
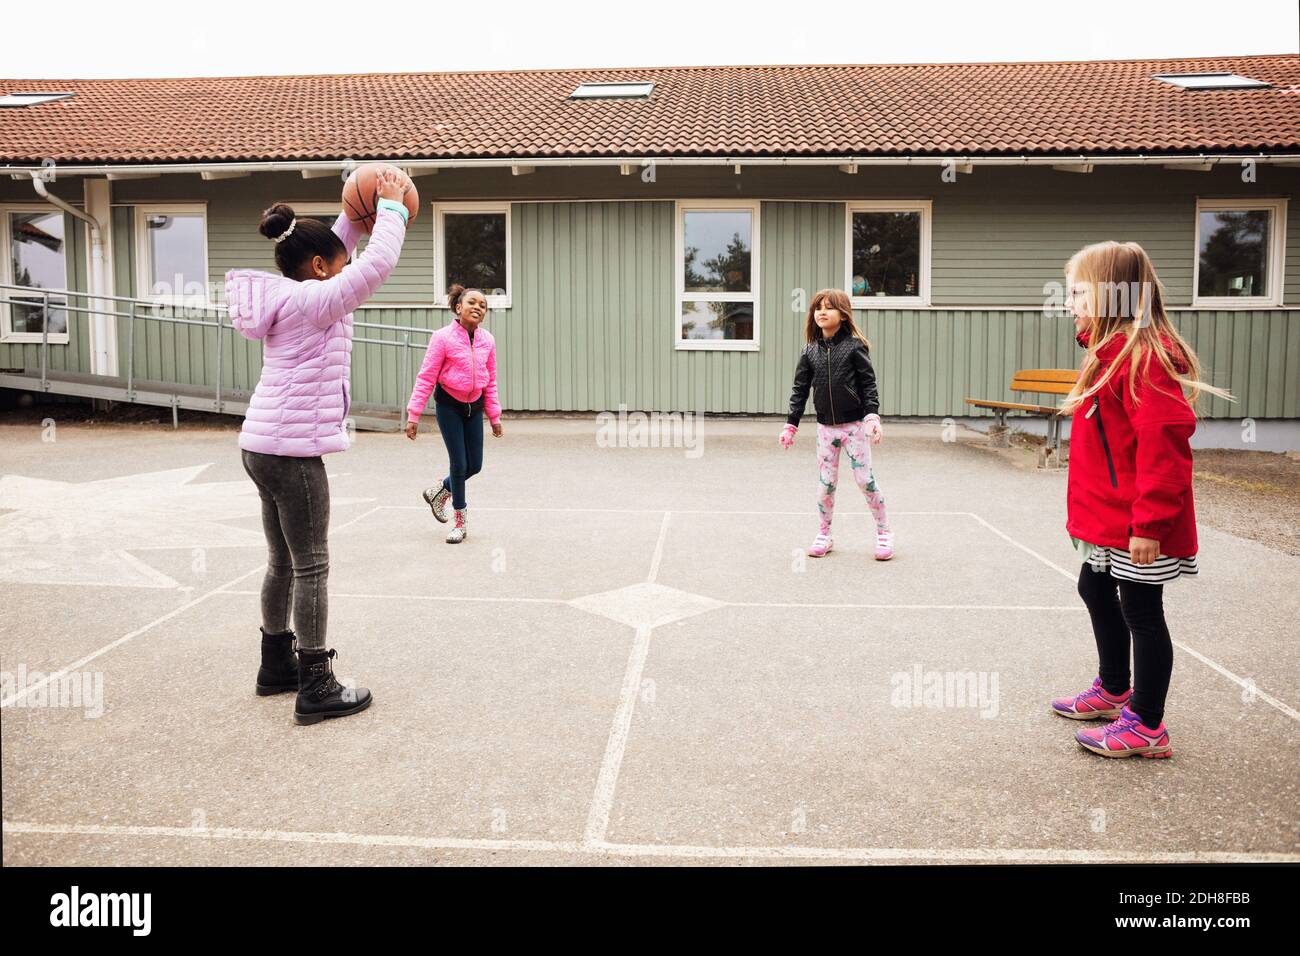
(1093, 704)
(1127, 737)
(821, 546)
(884, 545)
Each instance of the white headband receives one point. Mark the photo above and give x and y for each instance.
(288, 232)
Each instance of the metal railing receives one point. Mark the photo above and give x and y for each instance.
(134, 311)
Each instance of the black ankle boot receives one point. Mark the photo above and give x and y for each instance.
(279, 670)
(320, 695)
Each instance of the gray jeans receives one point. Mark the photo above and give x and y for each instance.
(295, 516)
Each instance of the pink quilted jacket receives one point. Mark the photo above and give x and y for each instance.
(302, 400)
(465, 369)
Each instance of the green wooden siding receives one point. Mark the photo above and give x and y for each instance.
(592, 321)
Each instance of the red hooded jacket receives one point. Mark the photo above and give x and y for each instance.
(1131, 462)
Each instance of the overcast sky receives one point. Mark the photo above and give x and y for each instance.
(97, 38)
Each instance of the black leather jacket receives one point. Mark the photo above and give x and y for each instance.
(839, 374)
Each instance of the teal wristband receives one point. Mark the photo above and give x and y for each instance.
(395, 206)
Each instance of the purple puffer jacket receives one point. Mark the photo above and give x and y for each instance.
(301, 402)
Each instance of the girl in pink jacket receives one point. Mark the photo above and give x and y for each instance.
(460, 368)
(298, 413)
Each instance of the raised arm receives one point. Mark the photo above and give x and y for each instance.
(349, 232)
(329, 301)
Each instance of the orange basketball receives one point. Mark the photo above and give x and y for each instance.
(361, 194)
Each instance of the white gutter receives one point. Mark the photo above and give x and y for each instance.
(100, 362)
(326, 167)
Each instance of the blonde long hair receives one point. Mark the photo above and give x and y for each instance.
(838, 300)
(1126, 298)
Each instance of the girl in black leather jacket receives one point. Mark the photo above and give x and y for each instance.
(835, 368)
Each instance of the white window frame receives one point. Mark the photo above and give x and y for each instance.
(1276, 254)
(922, 298)
(7, 334)
(143, 265)
(440, 211)
(681, 296)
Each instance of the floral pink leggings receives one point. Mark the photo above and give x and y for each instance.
(831, 439)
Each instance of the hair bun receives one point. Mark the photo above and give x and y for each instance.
(276, 220)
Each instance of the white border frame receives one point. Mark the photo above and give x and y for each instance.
(1276, 254)
(922, 298)
(143, 264)
(440, 210)
(7, 335)
(680, 296)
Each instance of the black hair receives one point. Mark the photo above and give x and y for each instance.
(310, 237)
(457, 292)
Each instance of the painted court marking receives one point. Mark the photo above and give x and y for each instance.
(597, 825)
(21, 695)
(668, 851)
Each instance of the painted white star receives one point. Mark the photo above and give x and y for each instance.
(59, 532)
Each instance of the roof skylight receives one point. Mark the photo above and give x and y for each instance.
(1211, 81)
(12, 100)
(612, 91)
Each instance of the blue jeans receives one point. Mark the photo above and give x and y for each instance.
(464, 440)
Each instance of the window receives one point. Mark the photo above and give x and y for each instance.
(1211, 81)
(472, 248)
(172, 252)
(18, 100)
(717, 275)
(888, 253)
(612, 91)
(1239, 250)
(35, 258)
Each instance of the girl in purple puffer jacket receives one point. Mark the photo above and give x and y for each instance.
(298, 413)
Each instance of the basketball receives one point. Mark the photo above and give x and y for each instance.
(361, 194)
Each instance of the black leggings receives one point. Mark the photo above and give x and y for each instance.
(1120, 609)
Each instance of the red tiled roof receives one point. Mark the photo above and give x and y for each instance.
(955, 109)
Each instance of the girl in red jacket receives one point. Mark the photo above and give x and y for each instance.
(460, 369)
(1129, 499)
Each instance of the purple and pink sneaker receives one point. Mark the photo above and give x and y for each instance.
(1093, 704)
(1127, 737)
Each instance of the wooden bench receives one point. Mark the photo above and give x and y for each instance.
(1050, 381)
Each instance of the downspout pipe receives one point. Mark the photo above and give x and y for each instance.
(99, 363)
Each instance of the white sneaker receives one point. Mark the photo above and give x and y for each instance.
(884, 545)
(821, 546)
(458, 531)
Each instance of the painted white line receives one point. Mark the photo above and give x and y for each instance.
(451, 598)
(1218, 668)
(57, 675)
(602, 802)
(604, 848)
(1029, 551)
(426, 597)
(686, 511)
(659, 549)
(914, 607)
(965, 854)
(1244, 684)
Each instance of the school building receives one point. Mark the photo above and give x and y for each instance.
(649, 237)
